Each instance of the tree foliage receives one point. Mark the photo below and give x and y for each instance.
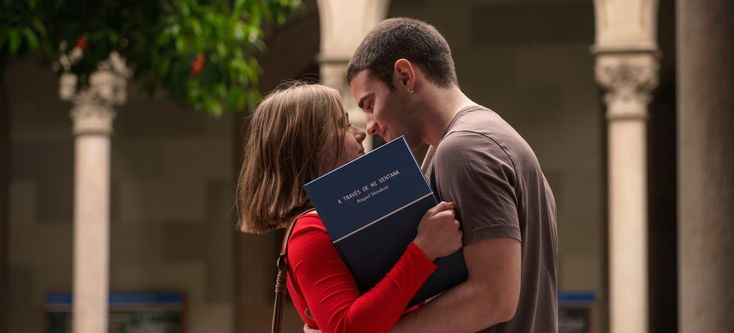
(202, 53)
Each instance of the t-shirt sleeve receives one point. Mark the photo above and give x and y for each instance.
(331, 292)
(478, 175)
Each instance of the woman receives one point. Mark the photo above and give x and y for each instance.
(296, 135)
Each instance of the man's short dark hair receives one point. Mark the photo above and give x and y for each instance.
(414, 40)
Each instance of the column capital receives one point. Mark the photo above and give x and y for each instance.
(334, 74)
(92, 118)
(333, 70)
(93, 109)
(629, 77)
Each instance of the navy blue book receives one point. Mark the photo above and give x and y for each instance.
(371, 208)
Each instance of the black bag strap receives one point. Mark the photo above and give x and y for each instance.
(281, 289)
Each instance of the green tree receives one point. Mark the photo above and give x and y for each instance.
(201, 53)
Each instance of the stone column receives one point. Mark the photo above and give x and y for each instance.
(92, 114)
(333, 74)
(705, 75)
(627, 68)
(629, 77)
(343, 25)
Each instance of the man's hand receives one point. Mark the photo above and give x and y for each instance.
(438, 233)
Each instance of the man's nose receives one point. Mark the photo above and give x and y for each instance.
(372, 126)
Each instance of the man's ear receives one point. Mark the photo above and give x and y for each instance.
(404, 75)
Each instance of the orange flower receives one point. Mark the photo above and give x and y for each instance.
(81, 43)
(198, 64)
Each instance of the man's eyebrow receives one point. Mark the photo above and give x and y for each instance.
(361, 100)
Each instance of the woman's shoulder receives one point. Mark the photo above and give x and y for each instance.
(308, 222)
(308, 235)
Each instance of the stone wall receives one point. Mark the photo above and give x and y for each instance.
(171, 223)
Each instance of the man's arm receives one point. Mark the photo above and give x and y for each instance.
(488, 297)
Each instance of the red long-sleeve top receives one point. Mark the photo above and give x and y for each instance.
(318, 280)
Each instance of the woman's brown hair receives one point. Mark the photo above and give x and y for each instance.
(294, 136)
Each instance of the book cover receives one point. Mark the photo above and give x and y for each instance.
(371, 208)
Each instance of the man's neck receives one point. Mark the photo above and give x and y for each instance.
(440, 105)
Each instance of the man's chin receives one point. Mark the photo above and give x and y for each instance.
(389, 136)
(383, 136)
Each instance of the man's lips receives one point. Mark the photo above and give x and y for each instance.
(384, 135)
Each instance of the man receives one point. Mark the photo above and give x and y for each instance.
(402, 76)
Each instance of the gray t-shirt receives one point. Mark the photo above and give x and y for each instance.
(484, 166)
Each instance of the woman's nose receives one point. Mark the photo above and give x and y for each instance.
(360, 135)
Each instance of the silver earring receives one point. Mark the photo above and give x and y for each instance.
(410, 90)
